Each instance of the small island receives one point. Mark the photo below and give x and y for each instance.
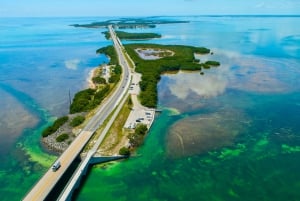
(129, 23)
(133, 36)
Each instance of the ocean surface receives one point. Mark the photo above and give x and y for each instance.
(230, 134)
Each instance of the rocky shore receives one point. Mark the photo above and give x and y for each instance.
(50, 142)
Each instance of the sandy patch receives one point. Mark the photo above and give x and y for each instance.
(203, 133)
(153, 54)
(92, 74)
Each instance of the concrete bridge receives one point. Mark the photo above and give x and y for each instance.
(81, 171)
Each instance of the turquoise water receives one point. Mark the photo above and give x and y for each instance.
(41, 60)
(231, 134)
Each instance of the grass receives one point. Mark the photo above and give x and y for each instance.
(116, 132)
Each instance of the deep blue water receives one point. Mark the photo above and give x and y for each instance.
(257, 85)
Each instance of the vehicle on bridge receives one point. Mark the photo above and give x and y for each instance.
(56, 166)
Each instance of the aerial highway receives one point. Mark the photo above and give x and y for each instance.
(44, 186)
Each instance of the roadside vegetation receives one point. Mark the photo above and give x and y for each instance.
(77, 121)
(88, 99)
(99, 80)
(116, 74)
(116, 136)
(111, 52)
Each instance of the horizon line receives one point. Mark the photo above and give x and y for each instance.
(152, 16)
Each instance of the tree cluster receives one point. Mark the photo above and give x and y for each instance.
(124, 151)
(111, 52)
(213, 63)
(136, 138)
(77, 121)
(55, 126)
(88, 99)
(133, 36)
(99, 80)
(116, 74)
(62, 137)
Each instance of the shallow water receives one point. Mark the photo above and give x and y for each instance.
(254, 93)
(42, 59)
(238, 123)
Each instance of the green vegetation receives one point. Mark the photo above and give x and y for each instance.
(99, 80)
(136, 138)
(51, 129)
(141, 129)
(77, 121)
(88, 99)
(124, 151)
(116, 133)
(62, 137)
(111, 52)
(133, 36)
(116, 74)
(129, 23)
(82, 100)
(212, 63)
(130, 103)
(151, 70)
(183, 59)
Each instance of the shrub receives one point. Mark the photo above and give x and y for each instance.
(57, 123)
(77, 121)
(99, 80)
(124, 151)
(62, 137)
(135, 140)
(141, 129)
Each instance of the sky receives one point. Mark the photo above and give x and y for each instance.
(44, 8)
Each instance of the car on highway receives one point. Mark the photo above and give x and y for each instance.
(56, 166)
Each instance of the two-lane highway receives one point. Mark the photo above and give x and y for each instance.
(50, 178)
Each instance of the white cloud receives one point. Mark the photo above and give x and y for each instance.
(72, 64)
(209, 85)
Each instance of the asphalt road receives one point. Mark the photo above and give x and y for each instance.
(50, 178)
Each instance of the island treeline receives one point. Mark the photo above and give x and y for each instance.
(129, 23)
(133, 36)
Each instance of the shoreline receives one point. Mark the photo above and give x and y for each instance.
(90, 77)
(49, 143)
